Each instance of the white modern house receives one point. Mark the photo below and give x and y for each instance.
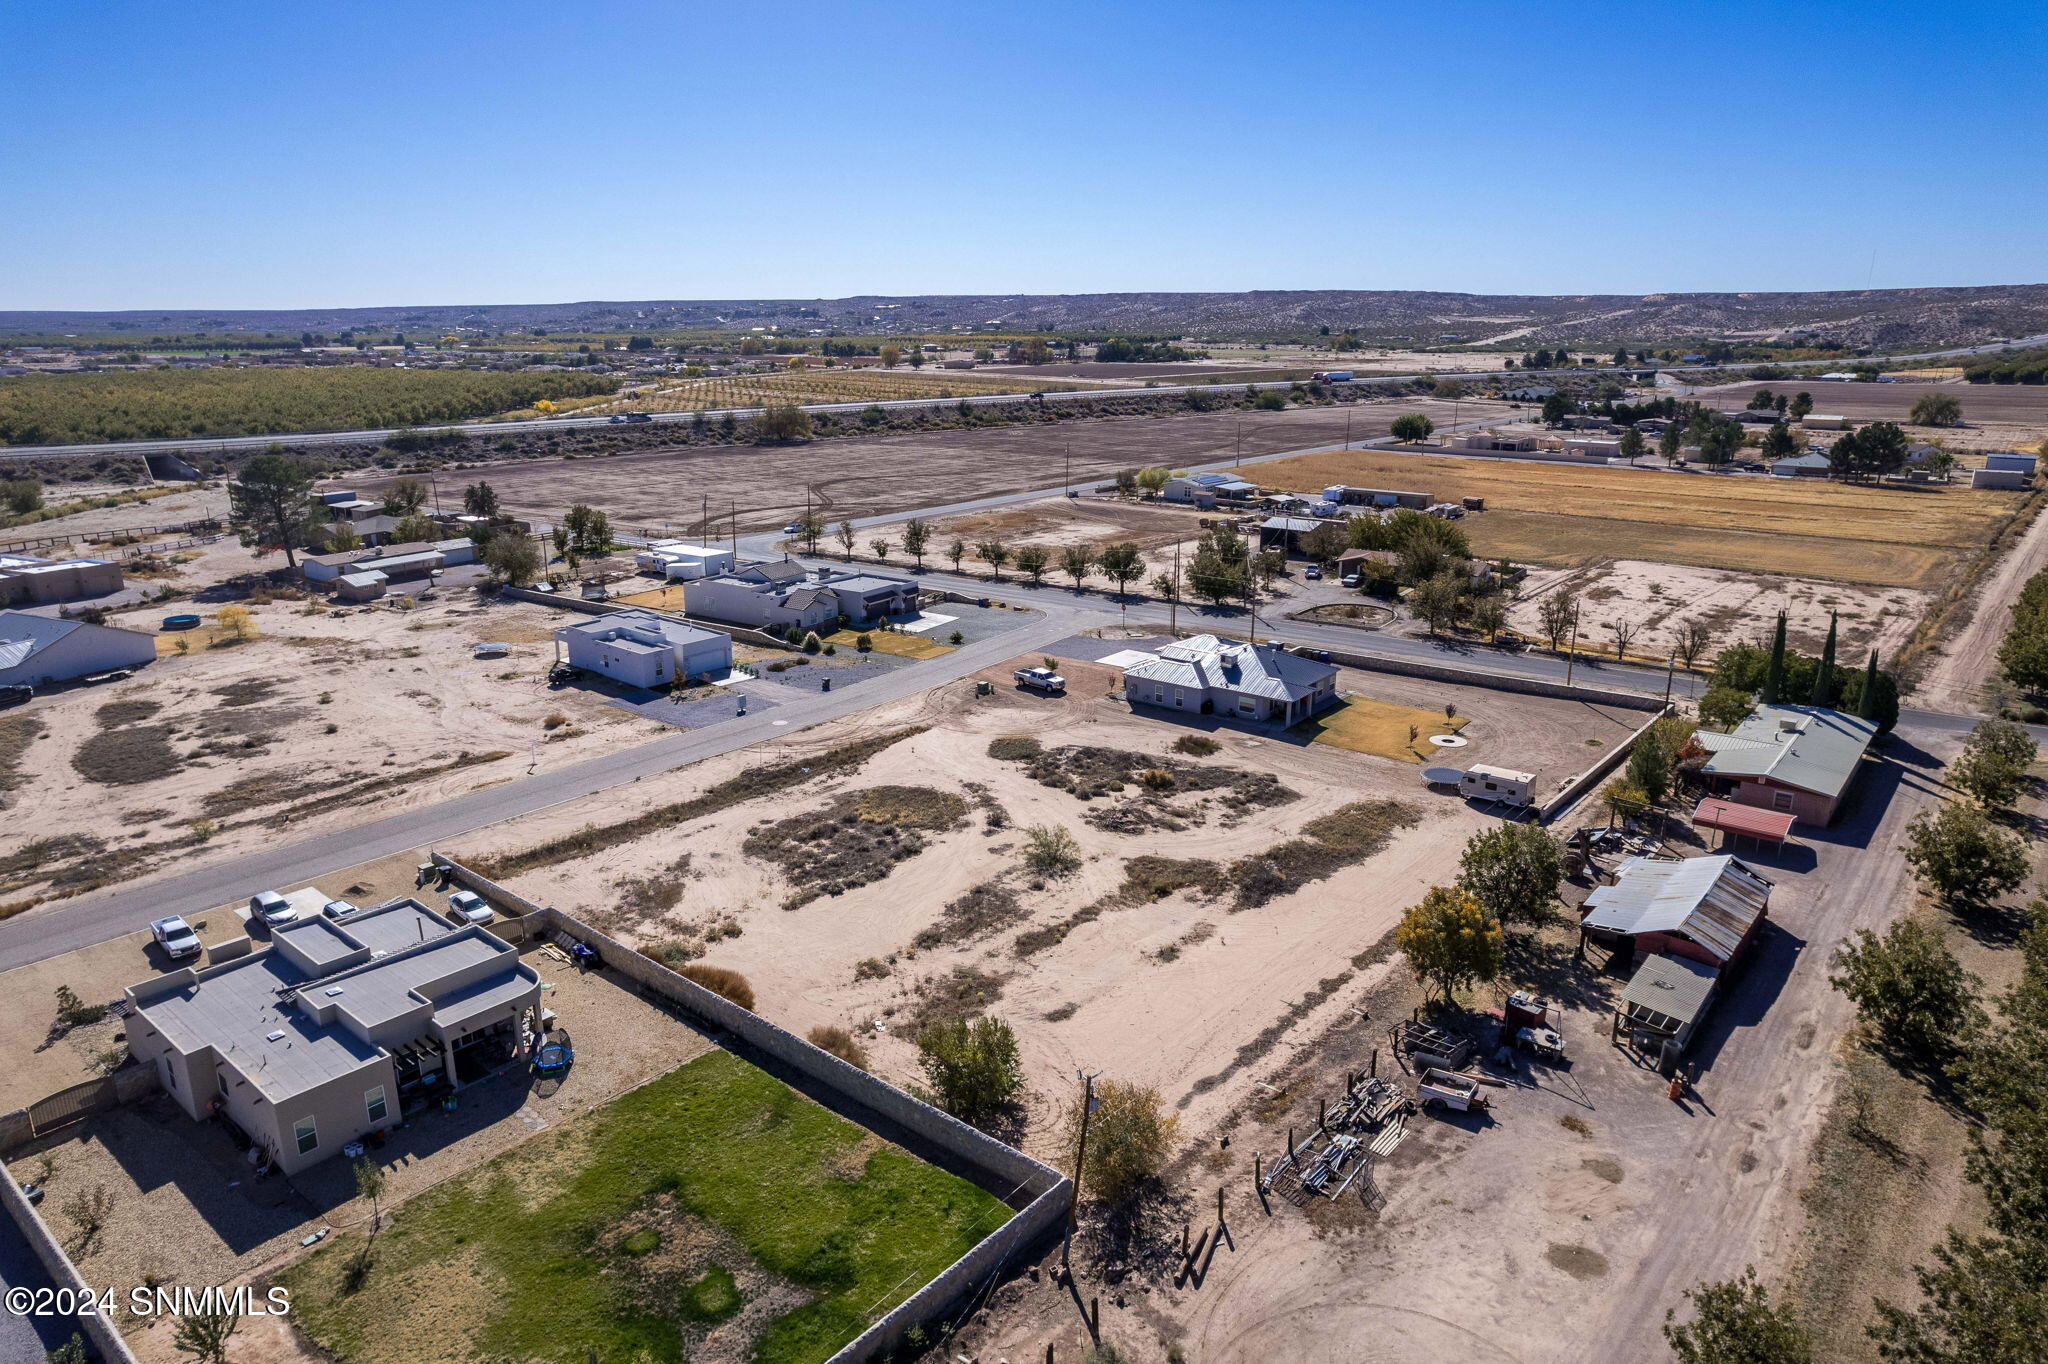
(26, 580)
(1210, 676)
(681, 560)
(37, 650)
(644, 649)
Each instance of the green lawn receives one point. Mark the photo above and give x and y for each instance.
(547, 1253)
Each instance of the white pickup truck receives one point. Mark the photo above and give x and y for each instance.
(1040, 679)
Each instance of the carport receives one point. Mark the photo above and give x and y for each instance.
(1765, 828)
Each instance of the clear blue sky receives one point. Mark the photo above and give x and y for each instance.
(321, 153)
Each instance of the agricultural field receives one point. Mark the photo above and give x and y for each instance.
(764, 486)
(713, 1213)
(1998, 416)
(820, 385)
(1561, 515)
(53, 409)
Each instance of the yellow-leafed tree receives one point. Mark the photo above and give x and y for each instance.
(1450, 940)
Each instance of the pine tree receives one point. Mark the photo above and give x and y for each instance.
(1824, 676)
(1774, 678)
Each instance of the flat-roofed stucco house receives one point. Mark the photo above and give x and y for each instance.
(777, 596)
(319, 1040)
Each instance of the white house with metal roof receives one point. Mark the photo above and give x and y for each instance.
(320, 1040)
(1705, 909)
(38, 650)
(1206, 675)
(1796, 759)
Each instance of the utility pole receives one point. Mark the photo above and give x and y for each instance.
(1081, 1148)
(1173, 599)
(1240, 438)
(1347, 428)
(1067, 448)
(1572, 649)
(1670, 669)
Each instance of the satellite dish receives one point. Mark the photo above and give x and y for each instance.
(1442, 776)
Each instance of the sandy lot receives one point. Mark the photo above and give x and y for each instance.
(858, 476)
(1165, 991)
(1058, 522)
(1564, 515)
(2011, 412)
(328, 717)
(1660, 598)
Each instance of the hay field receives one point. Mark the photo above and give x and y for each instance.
(1562, 515)
(814, 386)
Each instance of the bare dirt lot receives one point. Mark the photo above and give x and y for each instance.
(1058, 522)
(763, 486)
(1564, 515)
(325, 718)
(1149, 958)
(1659, 598)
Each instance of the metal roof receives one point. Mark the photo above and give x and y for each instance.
(1735, 818)
(1713, 901)
(1676, 987)
(1209, 663)
(1810, 748)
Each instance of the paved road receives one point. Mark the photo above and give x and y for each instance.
(224, 443)
(32, 937)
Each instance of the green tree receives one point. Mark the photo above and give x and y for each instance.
(1151, 480)
(1671, 440)
(1774, 677)
(956, 552)
(1824, 676)
(1130, 1139)
(415, 529)
(1909, 990)
(72, 1351)
(510, 557)
(1450, 940)
(1123, 564)
(1937, 409)
(1649, 769)
(1779, 443)
(1802, 403)
(1077, 562)
(1412, 428)
(205, 1335)
(810, 528)
(973, 1068)
(343, 539)
(1962, 858)
(1513, 871)
(1735, 1322)
(405, 497)
(1996, 764)
(1032, 561)
(22, 495)
(480, 499)
(1325, 542)
(1489, 616)
(270, 504)
(590, 530)
(1221, 565)
(785, 424)
(1439, 601)
(995, 554)
(845, 536)
(1633, 446)
(916, 539)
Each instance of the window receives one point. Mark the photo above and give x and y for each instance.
(1245, 705)
(221, 1077)
(373, 1100)
(305, 1134)
(1781, 800)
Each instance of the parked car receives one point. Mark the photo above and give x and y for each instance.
(1040, 679)
(272, 908)
(1353, 579)
(176, 937)
(793, 528)
(1312, 573)
(469, 907)
(14, 693)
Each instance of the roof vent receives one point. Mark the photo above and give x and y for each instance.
(331, 993)
(277, 1036)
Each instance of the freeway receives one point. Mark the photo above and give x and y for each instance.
(367, 437)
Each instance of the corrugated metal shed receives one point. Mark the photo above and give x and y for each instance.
(1669, 988)
(1711, 900)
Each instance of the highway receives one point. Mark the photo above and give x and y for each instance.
(288, 439)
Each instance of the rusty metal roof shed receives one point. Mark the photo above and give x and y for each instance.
(1714, 901)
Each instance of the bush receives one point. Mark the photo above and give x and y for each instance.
(973, 1068)
(1196, 745)
(721, 980)
(1014, 748)
(841, 1044)
(865, 643)
(812, 643)
(1053, 851)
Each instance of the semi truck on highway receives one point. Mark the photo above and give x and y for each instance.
(1333, 376)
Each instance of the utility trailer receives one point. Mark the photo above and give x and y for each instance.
(1428, 1046)
(1441, 1090)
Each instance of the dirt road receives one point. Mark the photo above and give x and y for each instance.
(1955, 680)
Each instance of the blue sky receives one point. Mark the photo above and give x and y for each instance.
(228, 154)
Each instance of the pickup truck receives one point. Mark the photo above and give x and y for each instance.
(176, 937)
(1040, 679)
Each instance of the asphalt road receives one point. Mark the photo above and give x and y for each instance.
(143, 447)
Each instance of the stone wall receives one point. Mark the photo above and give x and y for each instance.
(1480, 677)
(1594, 775)
(63, 1274)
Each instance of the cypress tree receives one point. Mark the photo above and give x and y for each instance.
(1866, 705)
(1774, 678)
(1824, 676)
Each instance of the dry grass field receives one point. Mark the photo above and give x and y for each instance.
(1558, 514)
(814, 386)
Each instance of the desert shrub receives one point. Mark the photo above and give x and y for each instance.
(1052, 851)
(555, 720)
(721, 980)
(1130, 1136)
(1011, 748)
(841, 1044)
(676, 953)
(870, 968)
(973, 1068)
(1196, 745)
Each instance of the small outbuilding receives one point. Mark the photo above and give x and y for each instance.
(26, 580)
(1705, 909)
(38, 650)
(2003, 479)
(1662, 1005)
(1802, 466)
(360, 587)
